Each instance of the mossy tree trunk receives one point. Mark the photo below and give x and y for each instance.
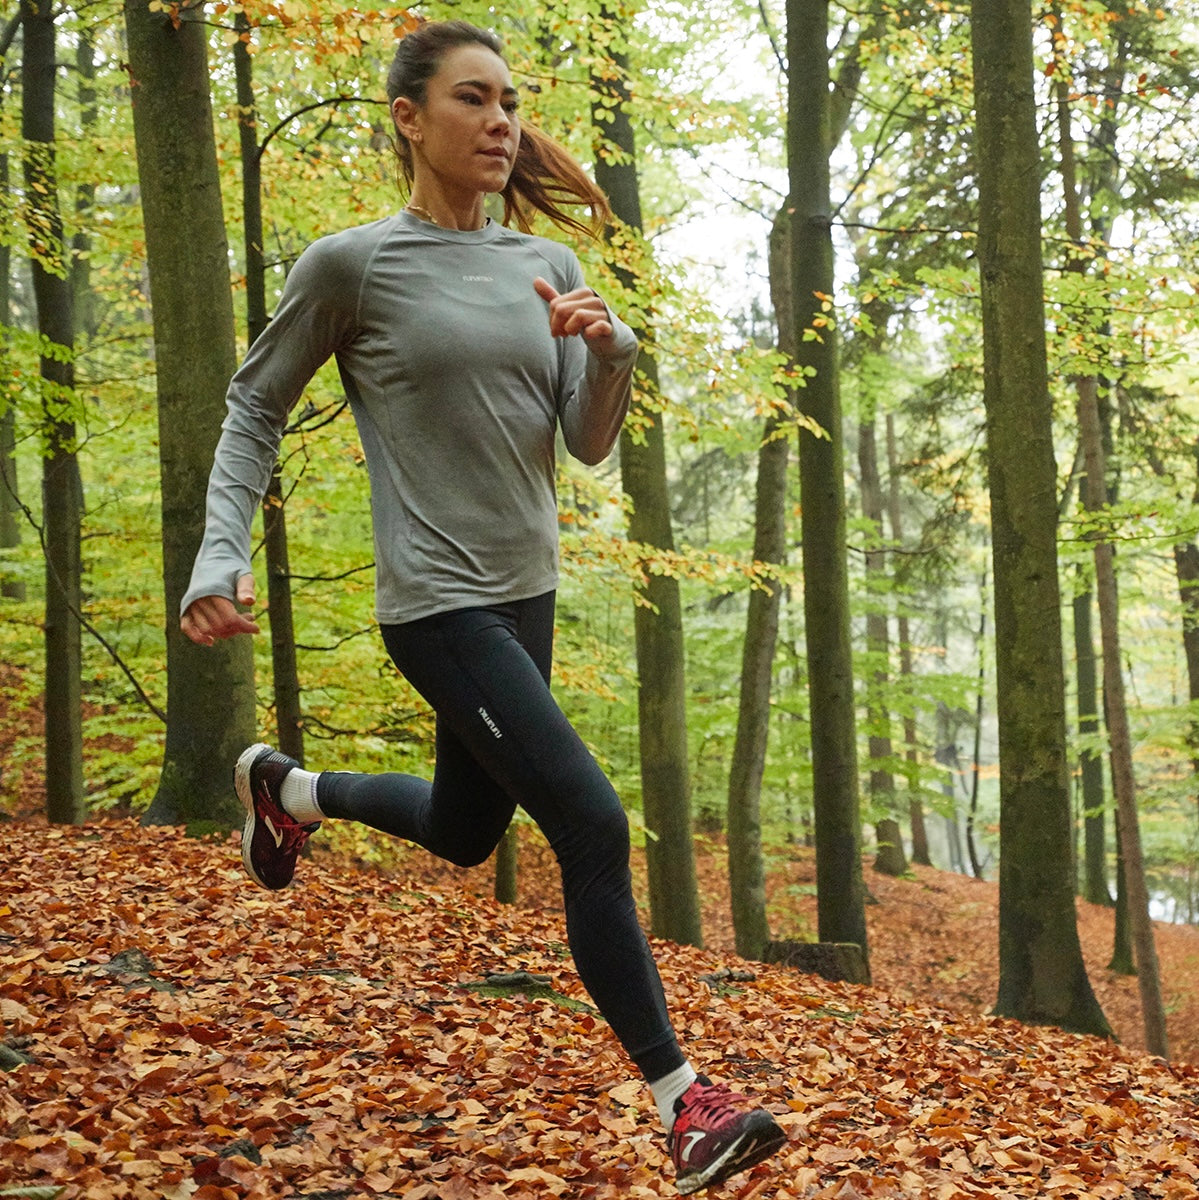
(841, 912)
(210, 690)
(1042, 977)
(62, 489)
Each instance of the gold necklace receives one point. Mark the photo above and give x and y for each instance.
(419, 211)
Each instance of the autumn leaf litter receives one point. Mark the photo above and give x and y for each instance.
(177, 1034)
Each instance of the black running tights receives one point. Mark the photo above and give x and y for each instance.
(502, 740)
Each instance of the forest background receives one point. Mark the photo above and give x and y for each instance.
(706, 94)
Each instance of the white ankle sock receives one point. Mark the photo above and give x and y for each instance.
(298, 795)
(669, 1088)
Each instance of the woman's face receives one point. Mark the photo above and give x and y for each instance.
(467, 130)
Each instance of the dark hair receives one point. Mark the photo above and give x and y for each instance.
(545, 175)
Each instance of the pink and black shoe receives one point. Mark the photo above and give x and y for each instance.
(717, 1133)
(271, 839)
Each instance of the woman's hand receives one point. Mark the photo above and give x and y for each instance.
(213, 617)
(579, 312)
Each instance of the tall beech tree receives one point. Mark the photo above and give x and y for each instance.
(210, 690)
(837, 819)
(658, 617)
(1042, 977)
(62, 489)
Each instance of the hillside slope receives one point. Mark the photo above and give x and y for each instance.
(934, 937)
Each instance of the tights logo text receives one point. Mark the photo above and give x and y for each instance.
(490, 723)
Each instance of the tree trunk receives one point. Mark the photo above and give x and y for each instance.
(946, 754)
(62, 491)
(920, 853)
(1186, 568)
(1090, 432)
(747, 872)
(840, 903)
(1186, 571)
(85, 193)
(12, 586)
(289, 714)
(1121, 961)
(1090, 763)
(210, 690)
(1119, 735)
(1095, 888)
(658, 617)
(507, 864)
(976, 752)
(890, 858)
(1042, 977)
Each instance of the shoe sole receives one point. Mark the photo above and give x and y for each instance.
(241, 784)
(737, 1158)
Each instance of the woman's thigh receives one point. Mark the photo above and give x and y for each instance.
(502, 739)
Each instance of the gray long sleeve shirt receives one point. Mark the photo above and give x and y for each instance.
(457, 388)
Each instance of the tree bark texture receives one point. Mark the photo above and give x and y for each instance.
(1042, 977)
(62, 489)
(658, 618)
(840, 889)
(210, 690)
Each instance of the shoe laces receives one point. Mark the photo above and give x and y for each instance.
(294, 835)
(711, 1103)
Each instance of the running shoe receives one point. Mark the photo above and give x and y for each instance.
(271, 839)
(717, 1134)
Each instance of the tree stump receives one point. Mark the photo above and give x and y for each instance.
(838, 962)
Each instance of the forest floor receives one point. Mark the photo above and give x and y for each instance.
(934, 935)
(188, 1036)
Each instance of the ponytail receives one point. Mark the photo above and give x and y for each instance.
(545, 177)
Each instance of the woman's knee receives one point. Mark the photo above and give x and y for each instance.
(596, 833)
(468, 850)
(610, 830)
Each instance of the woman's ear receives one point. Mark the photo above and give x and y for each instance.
(403, 113)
